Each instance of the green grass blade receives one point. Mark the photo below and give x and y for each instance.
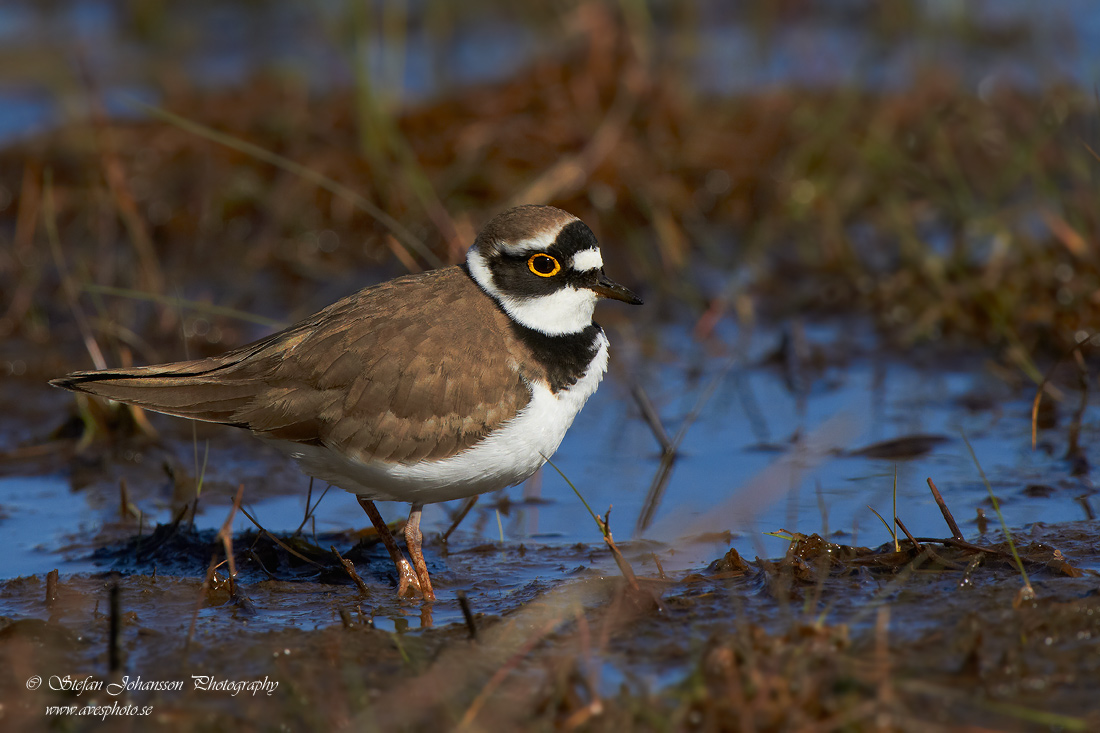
(1000, 516)
(579, 495)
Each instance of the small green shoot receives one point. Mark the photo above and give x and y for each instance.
(604, 523)
(396, 638)
(886, 524)
(201, 471)
(894, 532)
(579, 496)
(1004, 525)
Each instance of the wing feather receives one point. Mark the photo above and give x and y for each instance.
(384, 374)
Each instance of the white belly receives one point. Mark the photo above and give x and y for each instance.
(511, 454)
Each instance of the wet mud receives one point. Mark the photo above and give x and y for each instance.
(941, 632)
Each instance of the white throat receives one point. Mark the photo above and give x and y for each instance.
(566, 311)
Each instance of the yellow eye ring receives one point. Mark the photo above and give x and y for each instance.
(543, 265)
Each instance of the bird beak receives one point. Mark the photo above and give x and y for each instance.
(605, 287)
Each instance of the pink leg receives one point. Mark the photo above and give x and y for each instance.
(413, 540)
(407, 584)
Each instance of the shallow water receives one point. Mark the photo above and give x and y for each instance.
(722, 491)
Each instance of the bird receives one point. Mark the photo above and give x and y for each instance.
(430, 387)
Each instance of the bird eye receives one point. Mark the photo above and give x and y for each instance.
(543, 265)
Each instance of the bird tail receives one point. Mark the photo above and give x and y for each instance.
(199, 390)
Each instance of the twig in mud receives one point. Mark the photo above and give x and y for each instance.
(1046, 386)
(956, 533)
(660, 568)
(277, 541)
(624, 566)
(982, 521)
(345, 618)
(51, 587)
(928, 553)
(349, 568)
(901, 525)
(126, 508)
(1073, 450)
(964, 545)
(309, 500)
(123, 498)
(256, 559)
(154, 543)
(311, 509)
(467, 614)
(225, 534)
(114, 654)
(462, 512)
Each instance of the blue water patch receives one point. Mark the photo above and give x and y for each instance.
(24, 113)
(39, 518)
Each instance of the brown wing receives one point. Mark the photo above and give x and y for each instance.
(401, 372)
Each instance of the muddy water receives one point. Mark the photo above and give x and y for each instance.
(847, 418)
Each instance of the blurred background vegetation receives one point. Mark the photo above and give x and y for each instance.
(929, 166)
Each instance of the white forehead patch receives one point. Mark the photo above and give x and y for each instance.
(540, 242)
(587, 259)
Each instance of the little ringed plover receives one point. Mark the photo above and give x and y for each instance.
(426, 388)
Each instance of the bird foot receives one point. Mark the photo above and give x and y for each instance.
(408, 585)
